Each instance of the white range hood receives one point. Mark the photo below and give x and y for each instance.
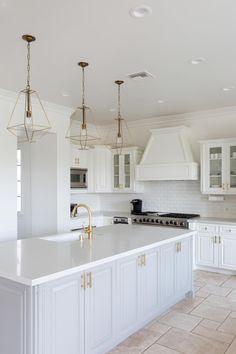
(168, 156)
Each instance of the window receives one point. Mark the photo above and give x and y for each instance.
(18, 171)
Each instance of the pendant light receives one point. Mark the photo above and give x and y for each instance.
(122, 133)
(78, 131)
(31, 124)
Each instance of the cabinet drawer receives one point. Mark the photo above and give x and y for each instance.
(228, 229)
(208, 228)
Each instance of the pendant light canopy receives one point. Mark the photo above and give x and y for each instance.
(122, 137)
(28, 120)
(78, 131)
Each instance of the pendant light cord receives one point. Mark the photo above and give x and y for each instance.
(119, 115)
(28, 67)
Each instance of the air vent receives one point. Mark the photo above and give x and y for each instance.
(140, 75)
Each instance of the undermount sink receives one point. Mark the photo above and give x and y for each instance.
(62, 238)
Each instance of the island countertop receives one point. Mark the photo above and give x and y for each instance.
(36, 260)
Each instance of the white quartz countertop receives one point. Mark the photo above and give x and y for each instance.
(35, 261)
(213, 220)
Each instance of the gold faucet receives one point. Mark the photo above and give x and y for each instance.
(89, 229)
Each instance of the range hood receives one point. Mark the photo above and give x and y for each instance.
(168, 156)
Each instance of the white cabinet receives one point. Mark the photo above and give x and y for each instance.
(99, 309)
(175, 271)
(215, 245)
(227, 251)
(123, 170)
(218, 166)
(206, 249)
(77, 313)
(137, 290)
(61, 316)
(102, 169)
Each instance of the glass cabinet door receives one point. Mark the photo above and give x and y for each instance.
(127, 170)
(232, 164)
(116, 169)
(215, 168)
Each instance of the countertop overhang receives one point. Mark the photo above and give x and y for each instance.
(35, 261)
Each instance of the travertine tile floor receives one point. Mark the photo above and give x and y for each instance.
(203, 325)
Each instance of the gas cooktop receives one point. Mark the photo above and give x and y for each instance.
(163, 219)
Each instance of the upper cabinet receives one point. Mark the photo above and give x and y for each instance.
(123, 170)
(108, 171)
(218, 166)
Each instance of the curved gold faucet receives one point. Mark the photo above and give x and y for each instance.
(89, 229)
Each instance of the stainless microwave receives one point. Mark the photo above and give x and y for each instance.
(78, 178)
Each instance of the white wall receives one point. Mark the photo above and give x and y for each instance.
(8, 211)
(59, 118)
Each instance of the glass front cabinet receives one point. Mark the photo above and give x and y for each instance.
(218, 166)
(123, 170)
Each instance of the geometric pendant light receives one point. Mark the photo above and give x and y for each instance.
(119, 136)
(79, 132)
(28, 120)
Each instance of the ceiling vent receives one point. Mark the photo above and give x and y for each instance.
(140, 75)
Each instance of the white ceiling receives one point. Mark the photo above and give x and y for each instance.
(115, 44)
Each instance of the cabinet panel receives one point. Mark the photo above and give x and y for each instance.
(227, 252)
(207, 249)
(149, 302)
(128, 294)
(102, 174)
(99, 309)
(62, 317)
(183, 271)
(167, 274)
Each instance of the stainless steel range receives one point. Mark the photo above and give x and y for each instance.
(163, 219)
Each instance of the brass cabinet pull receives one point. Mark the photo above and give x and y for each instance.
(140, 261)
(219, 239)
(215, 239)
(89, 279)
(83, 281)
(144, 260)
(178, 247)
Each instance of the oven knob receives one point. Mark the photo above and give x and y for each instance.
(171, 222)
(153, 220)
(181, 223)
(167, 222)
(161, 222)
(175, 223)
(144, 220)
(134, 220)
(147, 220)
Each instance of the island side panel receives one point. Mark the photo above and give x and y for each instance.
(16, 318)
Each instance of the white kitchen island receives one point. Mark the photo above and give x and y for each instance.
(61, 296)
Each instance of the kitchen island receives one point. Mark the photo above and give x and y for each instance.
(59, 295)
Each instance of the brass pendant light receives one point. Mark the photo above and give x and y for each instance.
(78, 131)
(122, 133)
(33, 123)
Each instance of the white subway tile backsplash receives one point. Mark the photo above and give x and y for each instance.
(172, 196)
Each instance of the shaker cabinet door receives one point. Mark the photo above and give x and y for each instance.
(149, 299)
(128, 295)
(206, 249)
(99, 309)
(61, 317)
(227, 252)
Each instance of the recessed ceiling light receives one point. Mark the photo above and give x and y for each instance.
(112, 109)
(160, 101)
(197, 61)
(65, 94)
(229, 88)
(141, 11)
